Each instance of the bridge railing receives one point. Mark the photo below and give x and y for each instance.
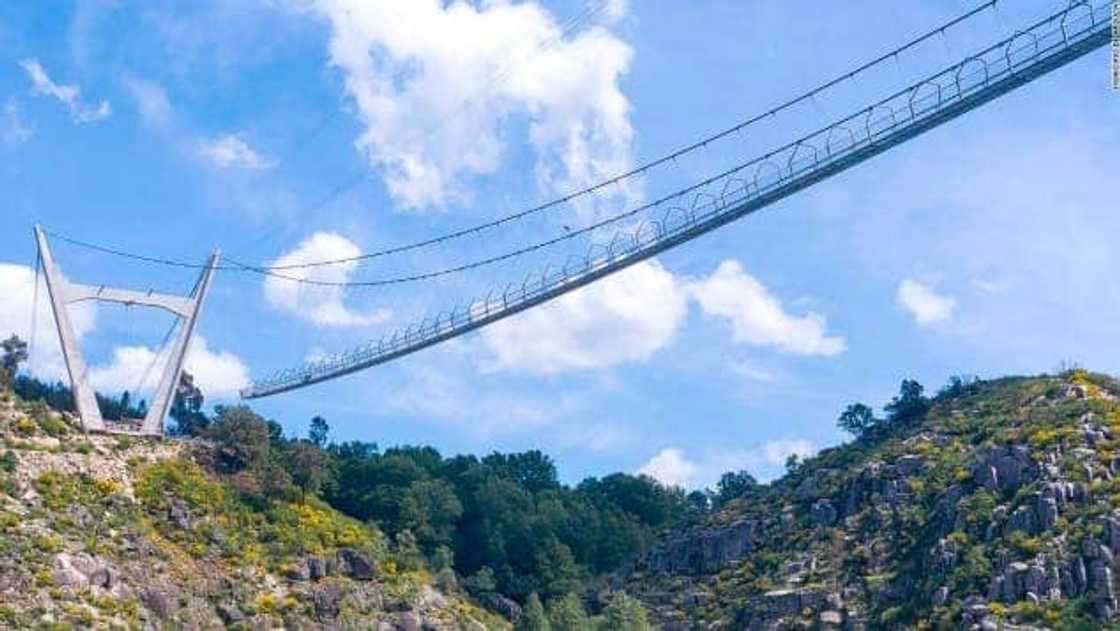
(715, 201)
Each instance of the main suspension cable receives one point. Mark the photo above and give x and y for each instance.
(270, 270)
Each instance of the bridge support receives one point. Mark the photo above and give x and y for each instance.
(63, 293)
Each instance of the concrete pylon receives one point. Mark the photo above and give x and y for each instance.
(63, 293)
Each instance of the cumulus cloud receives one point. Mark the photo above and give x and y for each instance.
(14, 132)
(436, 83)
(623, 318)
(321, 305)
(671, 468)
(776, 452)
(631, 315)
(230, 151)
(69, 95)
(218, 374)
(926, 306)
(758, 318)
(151, 100)
(17, 286)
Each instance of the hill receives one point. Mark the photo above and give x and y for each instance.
(113, 532)
(992, 505)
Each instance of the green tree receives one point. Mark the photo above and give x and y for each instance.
(319, 432)
(858, 420)
(531, 470)
(186, 407)
(408, 555)
(908, 405)
(624, 613)
(481, 582)
(734, 484)
(533, 617)
(430, 510)
(243, 437)
(309, 467)
(567, 614)
(14, 353)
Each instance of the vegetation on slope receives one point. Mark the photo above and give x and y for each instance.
(993, 502)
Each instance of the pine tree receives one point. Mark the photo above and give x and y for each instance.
(533, 617)
(624, 613)
(567, 614)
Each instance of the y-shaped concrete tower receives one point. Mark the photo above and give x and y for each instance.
(63, 292)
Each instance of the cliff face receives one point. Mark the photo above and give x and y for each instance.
(111, 532)
(997, 506)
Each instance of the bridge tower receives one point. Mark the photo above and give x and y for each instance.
(63, 293)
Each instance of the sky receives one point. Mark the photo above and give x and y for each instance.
(291, 131)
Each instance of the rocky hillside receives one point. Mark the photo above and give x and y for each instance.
(112, 532)
(995, 507)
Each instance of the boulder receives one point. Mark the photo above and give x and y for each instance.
(179, 516)
(1005, 467)
(316, 567)
(507, 607)
(158, 603)
(706, 551)
(823, 513)
(326, 601)
(103, 577)
(409, 621)
(358, 563)
(230, 614)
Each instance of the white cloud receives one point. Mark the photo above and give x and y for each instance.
(231, 151)
(671, 468)
(321, 305)
(151, 100)
(757, 317)
(70, 95)
(13, 131)
(436, 83)
(926, 306)
(17, 286)
(990, 287)
(218, 374)
(776, 452)
(623, 318)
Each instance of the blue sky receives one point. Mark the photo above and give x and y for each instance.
(984, 247)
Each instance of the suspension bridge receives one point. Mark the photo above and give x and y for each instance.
(1020, 58)
(636, 234)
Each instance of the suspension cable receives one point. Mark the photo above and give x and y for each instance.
(270, 269)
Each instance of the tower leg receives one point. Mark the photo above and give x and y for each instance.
(169, 381)
(84, 398)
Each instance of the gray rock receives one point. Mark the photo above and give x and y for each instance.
(179, 516)
(158, 603)
(507, 607)
(326, 602)
(316, 567)
(1005, 467)
(358, 563)
(705, 552)
(1047, 512)
(103, 577)
(299, 571)
(831, 618)
(409, 621)
(823, 513)
(230, 614)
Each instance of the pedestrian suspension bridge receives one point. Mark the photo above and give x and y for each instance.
(638, 233)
